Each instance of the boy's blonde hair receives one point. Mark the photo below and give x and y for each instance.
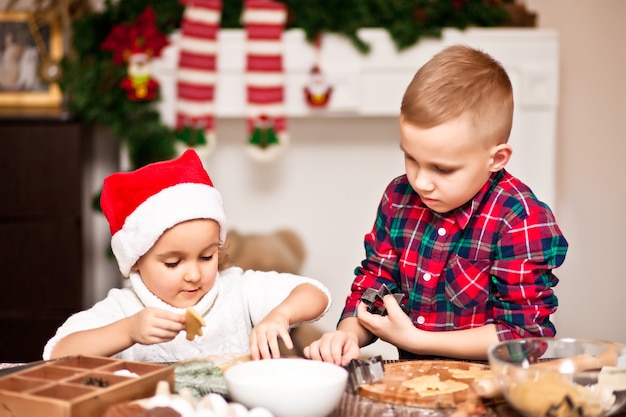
(461, 80)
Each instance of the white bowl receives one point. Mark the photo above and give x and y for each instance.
(288, 387)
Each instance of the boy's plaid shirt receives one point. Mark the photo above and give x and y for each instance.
(489, 261)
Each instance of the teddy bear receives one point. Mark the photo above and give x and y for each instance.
(281, 251)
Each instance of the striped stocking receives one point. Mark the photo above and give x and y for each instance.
(195, 83)
(264, 22)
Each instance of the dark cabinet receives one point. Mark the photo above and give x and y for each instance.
(41, 230)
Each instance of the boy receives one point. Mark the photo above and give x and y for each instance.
(467, 244)
(168, 228)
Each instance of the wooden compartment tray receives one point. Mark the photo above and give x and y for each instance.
(78, 386)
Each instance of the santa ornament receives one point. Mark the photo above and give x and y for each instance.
(195, 79)
(264, 22)
(318, 90)
(135, 45)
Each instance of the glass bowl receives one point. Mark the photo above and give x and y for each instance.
(560, 377)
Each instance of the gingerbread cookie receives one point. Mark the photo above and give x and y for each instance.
(193, 324)
(428, 385)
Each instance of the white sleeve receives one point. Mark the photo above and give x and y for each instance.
(118, 304)
(265, 290)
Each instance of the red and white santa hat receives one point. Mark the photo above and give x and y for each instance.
(142, 204)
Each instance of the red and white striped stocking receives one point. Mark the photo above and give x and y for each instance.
(264, 22)
(196, 75)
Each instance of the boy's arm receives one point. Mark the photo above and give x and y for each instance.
(398, 329)
(461, 344)
(341, 346)
(523, 278)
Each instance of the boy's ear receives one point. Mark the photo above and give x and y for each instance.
(500, 156)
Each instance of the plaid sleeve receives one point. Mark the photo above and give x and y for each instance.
(380, 263)
(523, 279)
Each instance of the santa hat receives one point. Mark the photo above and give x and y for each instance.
(142, 204)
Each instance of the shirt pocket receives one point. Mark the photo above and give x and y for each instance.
(467, 282)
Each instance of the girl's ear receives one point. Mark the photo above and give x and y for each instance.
(500, 156)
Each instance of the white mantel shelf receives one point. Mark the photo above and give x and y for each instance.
(372, 85)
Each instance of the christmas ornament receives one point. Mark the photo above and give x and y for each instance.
(318, 90)
(195, 81)
(264, 22)
(135, 45)
(263, 133)
(139, 84)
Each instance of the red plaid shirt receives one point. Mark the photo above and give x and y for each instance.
(489, 261)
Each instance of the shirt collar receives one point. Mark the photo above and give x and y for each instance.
(464, 213)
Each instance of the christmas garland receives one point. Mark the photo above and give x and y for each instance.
(92, 80)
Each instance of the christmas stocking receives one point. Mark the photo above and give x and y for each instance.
(195, 121)
(264, 22)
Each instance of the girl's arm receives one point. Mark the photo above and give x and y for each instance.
(102, 341)
(305, 302)
(149, 326)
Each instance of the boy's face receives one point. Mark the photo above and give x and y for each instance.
(447, 164)
(182, 265)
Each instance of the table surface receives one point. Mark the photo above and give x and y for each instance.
(356, 405)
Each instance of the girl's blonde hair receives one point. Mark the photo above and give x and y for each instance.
(461, 80)
(223, 258)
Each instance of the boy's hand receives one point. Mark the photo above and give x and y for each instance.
(338, 347)
(264, 336)
(392, 328)
(153, 325)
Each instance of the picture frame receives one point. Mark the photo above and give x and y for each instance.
(28, 47)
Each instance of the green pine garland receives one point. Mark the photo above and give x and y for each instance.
(91, 80)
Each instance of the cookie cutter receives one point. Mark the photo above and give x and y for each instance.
(365, 371)
(374, 300)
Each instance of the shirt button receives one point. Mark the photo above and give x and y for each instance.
(421, 320)
(427, 276)
(441, 231)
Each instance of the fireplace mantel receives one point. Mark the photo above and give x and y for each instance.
(371, 85)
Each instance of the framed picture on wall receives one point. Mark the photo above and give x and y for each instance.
(30, 53)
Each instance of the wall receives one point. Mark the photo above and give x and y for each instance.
(326, 189)
(590, 168)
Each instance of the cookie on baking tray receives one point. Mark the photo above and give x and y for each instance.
(193, 323)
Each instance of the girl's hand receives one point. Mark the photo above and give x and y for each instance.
(264, 336)
(153, 325)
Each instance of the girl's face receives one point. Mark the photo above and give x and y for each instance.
(182, 265)
(447, 164)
